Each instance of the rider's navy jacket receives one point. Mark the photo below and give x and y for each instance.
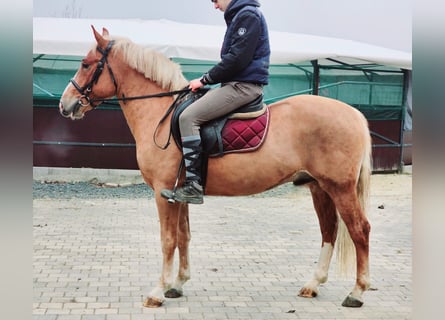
(245, 52)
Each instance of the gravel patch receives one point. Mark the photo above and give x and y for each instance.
(94, 190)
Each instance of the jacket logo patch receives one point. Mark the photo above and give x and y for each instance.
(242, 31)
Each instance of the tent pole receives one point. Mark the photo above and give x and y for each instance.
(316, 77)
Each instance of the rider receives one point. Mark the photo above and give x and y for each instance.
(242, 72)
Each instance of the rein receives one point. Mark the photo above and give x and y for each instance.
(157, 95)
(180, 94)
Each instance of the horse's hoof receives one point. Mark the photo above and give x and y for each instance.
(307, 293)
(352, 302)
(173, 293)
(152, 302)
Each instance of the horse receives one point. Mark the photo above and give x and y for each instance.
(317, 141)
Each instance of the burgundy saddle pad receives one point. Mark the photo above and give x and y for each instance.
(244, 135)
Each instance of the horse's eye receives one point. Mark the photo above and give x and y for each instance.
(85, 65)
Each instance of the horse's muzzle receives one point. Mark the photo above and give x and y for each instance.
(65, 113)
(62, 110)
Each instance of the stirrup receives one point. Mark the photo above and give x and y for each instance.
(191, 192)
(170, 194)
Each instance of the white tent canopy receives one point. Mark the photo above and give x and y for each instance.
(62, 36)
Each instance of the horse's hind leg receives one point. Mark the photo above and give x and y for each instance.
(357, 224)
(327, 217)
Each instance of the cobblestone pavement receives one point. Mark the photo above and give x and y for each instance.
(97, 258)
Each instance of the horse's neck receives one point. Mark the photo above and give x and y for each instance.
(143, 115)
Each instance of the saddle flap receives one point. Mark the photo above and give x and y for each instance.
(182, 103)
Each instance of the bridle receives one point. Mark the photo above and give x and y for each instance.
(87, 88)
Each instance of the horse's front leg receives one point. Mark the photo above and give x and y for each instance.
(175, 232)
(183, 248)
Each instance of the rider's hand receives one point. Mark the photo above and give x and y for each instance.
(195, 84)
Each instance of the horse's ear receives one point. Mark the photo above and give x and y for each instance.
(105, 32)
(100, 39)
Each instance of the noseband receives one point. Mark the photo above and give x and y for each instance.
(86, 89)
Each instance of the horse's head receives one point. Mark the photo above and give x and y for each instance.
(90, 84)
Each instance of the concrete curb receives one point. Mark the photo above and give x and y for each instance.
(117, 176)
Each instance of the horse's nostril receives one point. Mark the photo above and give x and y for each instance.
(62, 110)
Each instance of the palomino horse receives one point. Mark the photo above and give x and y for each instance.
(318, 141)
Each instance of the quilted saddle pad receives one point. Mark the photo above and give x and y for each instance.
(244, 135)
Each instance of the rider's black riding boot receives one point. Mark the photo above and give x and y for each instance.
(191, 191)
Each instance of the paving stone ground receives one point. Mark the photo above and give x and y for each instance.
(96, 259)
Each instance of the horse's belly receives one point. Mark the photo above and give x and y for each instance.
(245, 180)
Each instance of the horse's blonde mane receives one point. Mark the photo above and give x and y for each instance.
(154, 65)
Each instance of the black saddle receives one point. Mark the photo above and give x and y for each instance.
(211, 138)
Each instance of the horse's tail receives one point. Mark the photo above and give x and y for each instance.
(364, 180)
(346, 257)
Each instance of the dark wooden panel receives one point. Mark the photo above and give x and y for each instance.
(60, 142)
(386, 155)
